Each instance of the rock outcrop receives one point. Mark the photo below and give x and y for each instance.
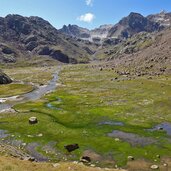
(71, 147)
(33, 120)
(4, 79)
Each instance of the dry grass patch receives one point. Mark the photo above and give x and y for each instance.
(12, 164)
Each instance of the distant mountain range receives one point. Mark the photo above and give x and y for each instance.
(24, 37)
(95, 35)
(125, 28)
(33, 37)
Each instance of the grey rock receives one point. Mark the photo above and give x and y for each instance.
(85, 159)
(154, 167)
(33, 120)
(71, 147)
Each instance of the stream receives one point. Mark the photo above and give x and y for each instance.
(36, 94)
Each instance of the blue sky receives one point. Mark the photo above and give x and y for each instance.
(85, 13)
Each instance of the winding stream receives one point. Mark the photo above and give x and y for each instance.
(31, 96)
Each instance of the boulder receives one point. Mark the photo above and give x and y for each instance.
(85, 159)
(55, 164)
(165, 164)
(28, 158)
(158, 156)
(160, 128)
(71, 147)
(130, 158)
(4, 79)
(154, 167)
(40, 135)
(33, 120)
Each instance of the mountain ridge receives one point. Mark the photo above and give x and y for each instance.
(28, 37)
(126, 27)
(86, 34)
(34, 36)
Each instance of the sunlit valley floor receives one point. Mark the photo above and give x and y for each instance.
(117, 120)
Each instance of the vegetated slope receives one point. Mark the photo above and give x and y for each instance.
(140, 44)
(22, 37)
(113, 49)
(145, 49)
(152, 57)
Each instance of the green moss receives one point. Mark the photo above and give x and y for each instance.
(144, 44)
(14, 89)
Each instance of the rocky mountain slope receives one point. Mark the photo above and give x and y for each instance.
(127, 27)
(75, 31)
(101, 32)
(143, 54)
(163, 18)
(131, 25)
(32, 36)
(95, 35)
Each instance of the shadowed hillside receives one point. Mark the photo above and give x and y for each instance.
(22, 37)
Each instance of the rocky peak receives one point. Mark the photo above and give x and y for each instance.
(16, 27)
(95, 35)
(163, 18)
(75, 31)
(17, 23)
(106, 26)
(132, 24)
(128, 26)
(39, 21)
(132, 18)
(102, 30)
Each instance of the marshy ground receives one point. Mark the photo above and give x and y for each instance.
(109, 118)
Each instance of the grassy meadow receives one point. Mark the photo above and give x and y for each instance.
(86, 98)
(14, 89)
